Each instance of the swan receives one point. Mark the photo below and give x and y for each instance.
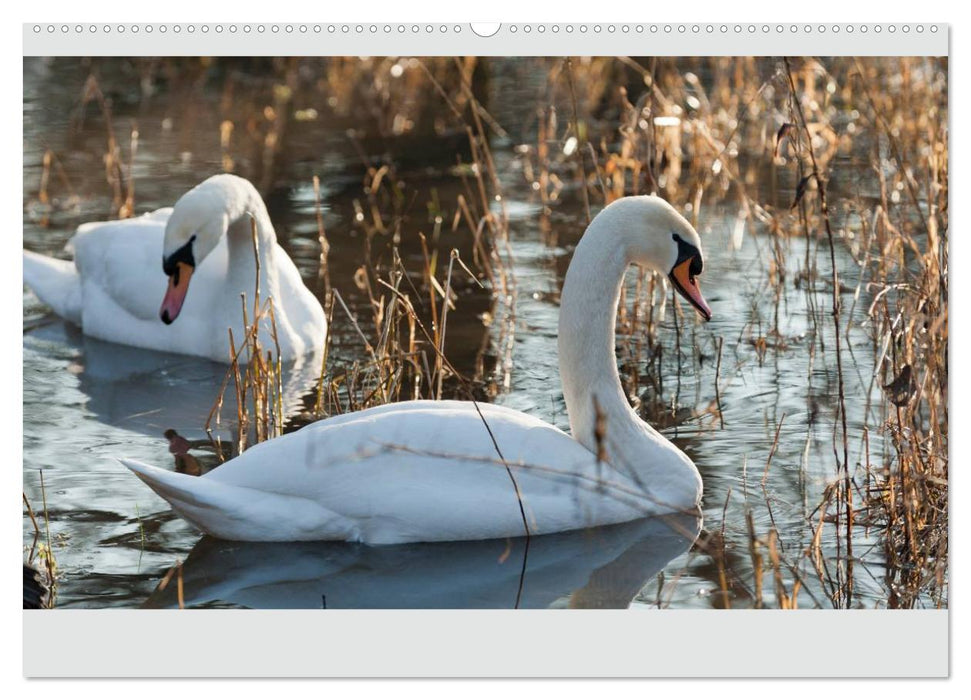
(113, 287)
(426, 471)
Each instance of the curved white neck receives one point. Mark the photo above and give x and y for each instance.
(243, 213)
(588, 366)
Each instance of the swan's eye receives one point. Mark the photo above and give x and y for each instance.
(183, 254)
(686, 251)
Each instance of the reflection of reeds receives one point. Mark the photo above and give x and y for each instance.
(174, 571)
(409, 308)
(122, 186)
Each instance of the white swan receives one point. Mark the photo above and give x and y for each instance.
(448, 470)
(113, 287)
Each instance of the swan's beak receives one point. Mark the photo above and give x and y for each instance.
(685, 283)
(175, 294)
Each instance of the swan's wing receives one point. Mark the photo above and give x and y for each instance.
(120, 263)
(417, 471)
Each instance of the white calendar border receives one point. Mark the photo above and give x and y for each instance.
(763, 38)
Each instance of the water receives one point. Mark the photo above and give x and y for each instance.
(87, 402)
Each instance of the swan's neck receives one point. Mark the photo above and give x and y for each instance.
(588, 366)
(243, 214)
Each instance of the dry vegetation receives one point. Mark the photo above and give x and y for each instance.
(849, 155)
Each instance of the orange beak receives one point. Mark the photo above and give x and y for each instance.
(175, 294)
(685, 283)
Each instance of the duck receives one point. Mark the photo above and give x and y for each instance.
(434, 471)
(115, 290)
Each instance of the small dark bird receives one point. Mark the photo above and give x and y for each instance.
(902, 388)
(184, 462)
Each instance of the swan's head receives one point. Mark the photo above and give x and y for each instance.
(197, 223)
(660, 239)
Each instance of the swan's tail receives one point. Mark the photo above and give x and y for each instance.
(239, 513)
(56, 283)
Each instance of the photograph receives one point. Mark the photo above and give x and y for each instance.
(487, 332)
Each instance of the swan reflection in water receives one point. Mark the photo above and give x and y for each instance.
(146, 391)
(601, 567)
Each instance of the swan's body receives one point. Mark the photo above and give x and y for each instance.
(381, 476)
(436, 471)
(113, 287)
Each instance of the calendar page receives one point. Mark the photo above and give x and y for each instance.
(355, 331)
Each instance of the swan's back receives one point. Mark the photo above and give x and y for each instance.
(407, 472)
(121, 284)
(115, 259)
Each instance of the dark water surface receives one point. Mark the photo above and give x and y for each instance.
(87, 402)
